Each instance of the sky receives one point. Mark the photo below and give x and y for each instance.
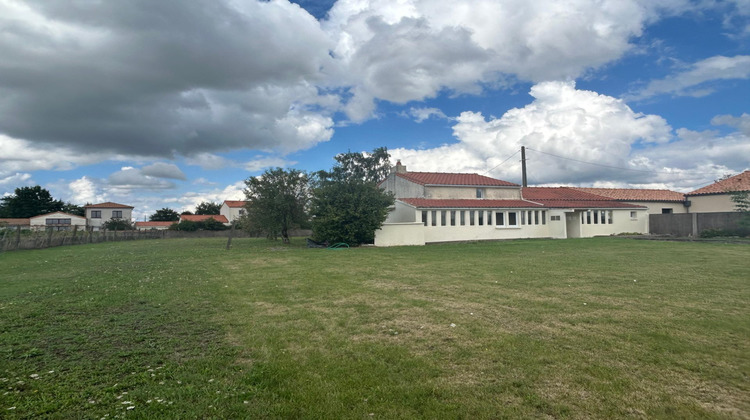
(171, 103)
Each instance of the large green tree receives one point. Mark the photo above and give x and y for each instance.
(208, 207)
(29, 202)
(347, 204)
(164, 215)
(278, 202)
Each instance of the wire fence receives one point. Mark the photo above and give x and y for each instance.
(15, 238)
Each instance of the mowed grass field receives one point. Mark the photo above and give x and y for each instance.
(590, 328)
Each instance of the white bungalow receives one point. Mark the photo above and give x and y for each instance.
(232, 209)
(57, 221)
(443, 207)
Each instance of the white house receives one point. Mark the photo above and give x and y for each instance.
(443, 207)
(657, 201)
(717, 197)
(57, 221)
(98, 214)
(233, 210)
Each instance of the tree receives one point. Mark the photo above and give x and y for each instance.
(347, 204)
(118, 224)
(29, 202)
(71, 208)
(164, 215)
(278, 201)
(208, 207)
(741, 201)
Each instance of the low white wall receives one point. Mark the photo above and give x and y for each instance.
(398, 234)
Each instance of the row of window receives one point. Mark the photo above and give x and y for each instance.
(597, 217)
(58, 221)
(97, 214)
(482, 218)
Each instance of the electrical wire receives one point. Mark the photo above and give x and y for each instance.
(509, 157)
(602, 165)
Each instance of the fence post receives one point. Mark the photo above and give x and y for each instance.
(229, 239)
(18, 237)
(49, 237)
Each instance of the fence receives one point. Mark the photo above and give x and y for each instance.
(692, 224)
(16, 238)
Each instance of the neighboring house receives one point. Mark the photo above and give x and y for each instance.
(442, 207)
(233, 210)
(204, 217)
(657, 201)
(98, 214)
(717, 196)
(57, 221)
(153, 225)
(11, 223)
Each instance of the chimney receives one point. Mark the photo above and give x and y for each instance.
(399, 168)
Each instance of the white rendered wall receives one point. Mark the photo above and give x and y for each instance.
(40, 223)
(398, 234)
(621, 223)
(713, 203)
(106, 216)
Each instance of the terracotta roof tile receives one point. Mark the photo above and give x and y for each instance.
(469, 203)
(15, 221)
(635, 194)
(108, 205)
(153, 224)
(565, 197)
(234, 203)
(202, 217)
(740, 182)
(441, 178)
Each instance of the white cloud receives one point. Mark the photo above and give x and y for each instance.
(741, 123)
(132, 179)
(15, 180)
(422, 114)
(693, 80)
(22, 155)
(261, 163)
(163, 170)
(561, 120)
(85, 190)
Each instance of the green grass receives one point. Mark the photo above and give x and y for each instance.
(594, 328)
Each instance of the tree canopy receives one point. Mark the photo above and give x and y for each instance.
(347, 204)
(208, 207)
(278, 201)
(29, 202)
(164, 215)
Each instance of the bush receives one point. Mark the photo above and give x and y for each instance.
(723, 233)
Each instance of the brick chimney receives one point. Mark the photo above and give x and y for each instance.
(399, 168)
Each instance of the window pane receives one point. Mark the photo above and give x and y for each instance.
(544, 217)
(536, 217)
(609, 219)
(471, 217)
(489, 218)
(453, 218)
(499, 218)
(424, 218)
(442, 218)
(481, 218)
(523, 217)
(596, 217)
(463, 218)
(512, 219)
(434, 217)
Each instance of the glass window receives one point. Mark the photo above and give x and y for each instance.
(442, 218)
(596, 217)
(471, 217)
(453, 218)
(588, 217)
(544, 217)
(480, 192)
(434, 217)
(117, 214)
(96, 214)
(424, 217)
(463, 217)
(633, 215)
(499, 218)
(481, 217)
(609, 219)
(489, 218)
(536, 217)
(523, 217)
(512, 218)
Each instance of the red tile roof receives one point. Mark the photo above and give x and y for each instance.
(740, 182)
(634, 194)
(15, 221)
(232, 203)
(564, 197)
(203, 217)
(153, 224)
(441, 178)
(469, 203)
(108, 205)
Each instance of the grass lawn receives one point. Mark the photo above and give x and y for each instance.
(591, 328)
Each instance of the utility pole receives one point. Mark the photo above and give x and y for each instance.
(523, 166)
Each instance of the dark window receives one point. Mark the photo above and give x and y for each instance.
(424, 218)
(442, 218)
(117, 214)
(499, 218)
(463, 218)
(544, 217)
(434, 217)
(481, 218)
(666, 211)
(471, 217)
(453, 218)
(489, 218)
(96, 214)
(512, 218)
(480, 192)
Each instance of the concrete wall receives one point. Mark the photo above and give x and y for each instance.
(471, 192)
(402, 188)
(40, 222)
(656, 207)
(712, 203)
(692, 224)
(231, 213)
(397, 234)
(622, 222)
(402, 213)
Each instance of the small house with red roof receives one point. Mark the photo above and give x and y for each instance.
(203, 217)
(233, 209)
(657, 201)
(717, 197)
(98, 214)
(443, 207)
(153, 225)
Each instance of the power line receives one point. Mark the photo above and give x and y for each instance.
(509, 158)
(602, 165)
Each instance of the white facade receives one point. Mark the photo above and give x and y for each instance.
(57, 221)
(233, 210)
(711, 203)
(98, 214)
